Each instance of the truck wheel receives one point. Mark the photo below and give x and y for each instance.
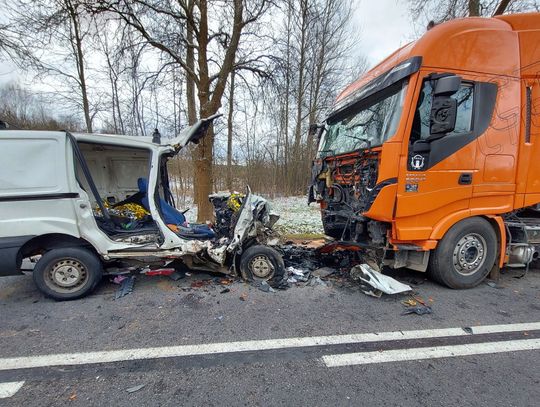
(67, 274)
(465, 255)
(261, 263)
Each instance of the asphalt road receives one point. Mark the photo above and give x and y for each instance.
(256, 362)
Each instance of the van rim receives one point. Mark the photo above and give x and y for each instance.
(66, 275)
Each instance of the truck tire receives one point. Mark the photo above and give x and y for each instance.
(262, 263)
(67, 274)
(465, 255)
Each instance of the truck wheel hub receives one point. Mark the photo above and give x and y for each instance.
(469, 254)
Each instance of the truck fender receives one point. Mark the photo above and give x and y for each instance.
(496, 221)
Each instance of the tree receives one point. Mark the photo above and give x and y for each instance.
(53, 35)
(445, 10)
(202, 37)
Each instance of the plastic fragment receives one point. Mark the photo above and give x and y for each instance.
(418, 310)
(264, 286)
(126, 287)
(135, 388)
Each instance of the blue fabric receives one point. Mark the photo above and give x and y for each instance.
(170, 215)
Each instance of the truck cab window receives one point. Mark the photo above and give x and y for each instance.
(465, 98)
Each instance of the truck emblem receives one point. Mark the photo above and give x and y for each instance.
(417, 162)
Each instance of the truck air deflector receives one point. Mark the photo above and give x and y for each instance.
(380, 83)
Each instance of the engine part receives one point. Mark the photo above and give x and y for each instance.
(520, 254)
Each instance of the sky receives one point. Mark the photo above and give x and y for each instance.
(385, 25)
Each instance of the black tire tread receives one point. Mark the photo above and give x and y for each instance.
(275, 257)
(440, 262)
(91, 261)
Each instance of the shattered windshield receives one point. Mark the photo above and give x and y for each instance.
(370, 124)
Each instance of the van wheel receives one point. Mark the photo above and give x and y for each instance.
(67, 274)
(261, 263)
(465, 255)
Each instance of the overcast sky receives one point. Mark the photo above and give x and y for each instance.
(384, 25)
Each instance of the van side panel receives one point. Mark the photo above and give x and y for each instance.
(35, 194)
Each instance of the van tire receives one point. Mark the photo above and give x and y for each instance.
(255, 262)
(67, 274)
(465, 255)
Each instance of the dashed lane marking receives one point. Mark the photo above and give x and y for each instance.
(9, 389)
(435, 352)
(108, 356)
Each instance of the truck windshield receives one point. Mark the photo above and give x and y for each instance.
(371, 123)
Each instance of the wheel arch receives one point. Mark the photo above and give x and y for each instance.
(49, 241)
(495, 221)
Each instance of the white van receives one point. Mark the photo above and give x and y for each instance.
(84, 202)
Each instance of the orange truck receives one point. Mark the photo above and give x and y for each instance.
(431, 160)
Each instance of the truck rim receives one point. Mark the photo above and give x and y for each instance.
(261, 267)
(469, 254)
(66, 275)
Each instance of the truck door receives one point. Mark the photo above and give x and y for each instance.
(436, 179)
(531, 139)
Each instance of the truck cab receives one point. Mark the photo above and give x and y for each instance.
(428, 160)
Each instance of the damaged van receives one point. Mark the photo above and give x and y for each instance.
(83, 203)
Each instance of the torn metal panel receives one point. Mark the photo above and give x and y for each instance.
(375, 283)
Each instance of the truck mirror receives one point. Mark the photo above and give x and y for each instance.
(447, 85)
(443, 115)
(444, 107)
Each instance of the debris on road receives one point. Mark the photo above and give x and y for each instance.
(126, 287)
(297, 275)
(375, 283)
(135, 388)
(323, 272)
(118, 279)
(264, 286)
(419, 309)
(158, 272)
(243, 297)
(316, 281)
(177, 276)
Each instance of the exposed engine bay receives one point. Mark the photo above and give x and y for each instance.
(346, 188)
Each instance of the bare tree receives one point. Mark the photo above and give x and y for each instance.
(445, 10)
(167, 26)
(54, 34)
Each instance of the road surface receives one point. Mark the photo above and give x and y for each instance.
(167, 344)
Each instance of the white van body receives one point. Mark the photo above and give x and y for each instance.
(46, 201)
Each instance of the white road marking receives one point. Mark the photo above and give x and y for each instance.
(70, 359)
(435, 352)
(9, 389)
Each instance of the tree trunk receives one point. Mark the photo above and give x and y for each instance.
(474, 8)
(230, 134)
(501, 8)
(79, 58)
(190, 91)
(297, 156)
